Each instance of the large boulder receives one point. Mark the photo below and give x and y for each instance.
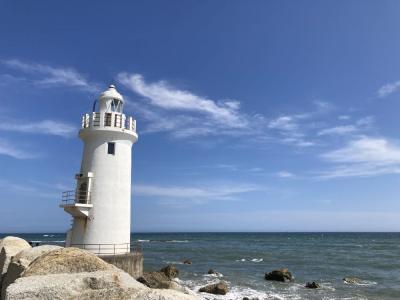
(279, 275)
(170, 271)
(66, 260)
(20, 262)
(10, 246)
(155, 280)
(220, 288)
(110, 284)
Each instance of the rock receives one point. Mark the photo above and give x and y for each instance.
(20, 262)
(155, 280)
(10, 246)
(170, 271)
(220, 288)
(312, 285)
(66, 260)
(352, 280)
(279, 275)
(211, 271)
(109, 284)
(187, 261)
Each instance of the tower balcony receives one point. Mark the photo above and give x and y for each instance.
(75, 203)
(108, 120)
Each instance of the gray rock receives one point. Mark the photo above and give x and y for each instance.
(352, 280)
(170, 271)
(155, 280)
(10, 246)
(20, 262)
(187, 261)
(312, 285)
(110, 284)
(66, 260)
(220, 288)
(282, 275)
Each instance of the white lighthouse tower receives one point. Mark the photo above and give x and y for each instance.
(101, 204)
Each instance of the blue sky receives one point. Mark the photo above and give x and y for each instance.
(252, 116)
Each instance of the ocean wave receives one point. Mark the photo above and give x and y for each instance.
(39, 241)
(143, 241)
(252, 260)
(177, 241)
(173, 262)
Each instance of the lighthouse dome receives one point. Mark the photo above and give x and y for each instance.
(110, 100)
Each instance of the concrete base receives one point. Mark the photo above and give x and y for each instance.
(131, 263)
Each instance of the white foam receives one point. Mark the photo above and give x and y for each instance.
(143, 241)
(257, 259)
(177, 241)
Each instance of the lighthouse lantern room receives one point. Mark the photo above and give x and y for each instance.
(101, 203)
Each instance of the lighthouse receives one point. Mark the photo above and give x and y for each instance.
(100, 205)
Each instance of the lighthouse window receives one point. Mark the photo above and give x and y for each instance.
(111, 148)
(116, 106)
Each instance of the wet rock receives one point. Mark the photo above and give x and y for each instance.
(187, 261)
(212, 272)
(220, 288)
(352, 280)
(170, 271)
(282, 275)
(312, 285)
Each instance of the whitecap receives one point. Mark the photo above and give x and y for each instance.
(243, 259)
(45, 235)
(257, 259)
(177, 241)
(143, 241)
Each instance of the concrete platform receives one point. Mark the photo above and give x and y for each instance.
(131, 263)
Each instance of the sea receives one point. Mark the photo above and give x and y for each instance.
(242, 259)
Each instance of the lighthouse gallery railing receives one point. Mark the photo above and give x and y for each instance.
(111, 249)
(108, 119)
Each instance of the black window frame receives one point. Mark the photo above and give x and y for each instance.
(111, 148)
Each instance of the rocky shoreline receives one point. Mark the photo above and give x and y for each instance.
(54, 272)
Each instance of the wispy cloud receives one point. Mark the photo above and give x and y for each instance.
(360, 125)
(338, 130)
(50, 76)
(364, 156)
(285, 174)
(163, 95)
(388, 89)
(11, 150)
(49, 127)
(197, 194)
(289, 128)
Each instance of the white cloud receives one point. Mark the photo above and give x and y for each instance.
(361, 124)
(344, 117)
(285, 174)
(338, 130)
(49, 76)
(199, 194)
(388, 89)
(8, 149)
(165, 96)
(364, 156)
(42, 127)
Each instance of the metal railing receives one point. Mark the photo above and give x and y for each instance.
(108, 119)
(72, 197)
(110, 249)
